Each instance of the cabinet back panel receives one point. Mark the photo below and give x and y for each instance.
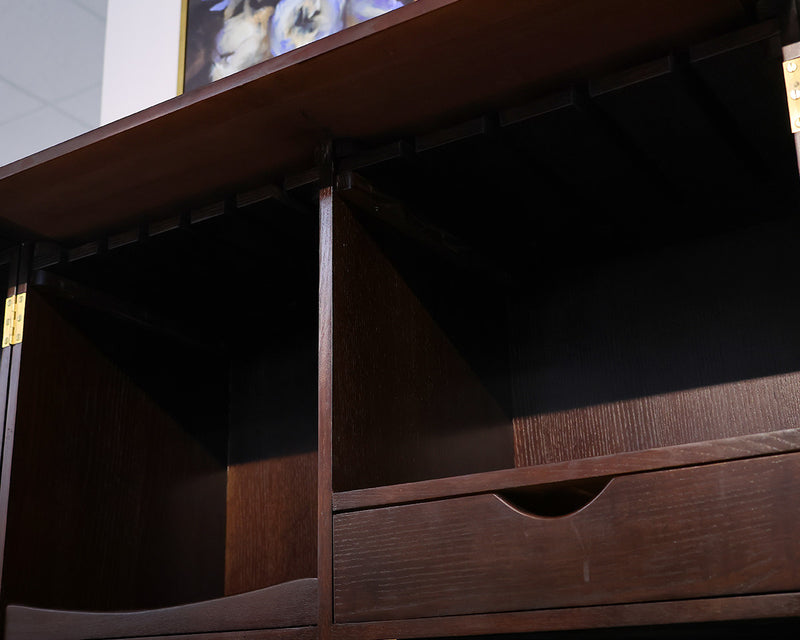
(407, 404)
(113, 504)
(686, 344)
(272, 454)
(271, 522)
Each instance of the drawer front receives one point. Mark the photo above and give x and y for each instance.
(728, 528)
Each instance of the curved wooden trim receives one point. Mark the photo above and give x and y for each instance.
(740, 447)
(292, 604)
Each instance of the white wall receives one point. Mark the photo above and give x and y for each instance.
(141, 56)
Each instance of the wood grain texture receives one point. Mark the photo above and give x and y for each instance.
(665, 419)
(8, 275)
(292, 604)
(723, 529)
(298, 633)
(271, 526)
(761, 607)
(688, 343)
(113, 505)
(325, 401)
(407, 406)
(694, 453)
(268, 119)
(9, 364)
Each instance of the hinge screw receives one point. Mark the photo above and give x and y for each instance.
(791, 67)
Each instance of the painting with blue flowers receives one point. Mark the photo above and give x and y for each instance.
(226, 36)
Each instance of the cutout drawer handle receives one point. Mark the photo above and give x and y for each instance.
(554, 501)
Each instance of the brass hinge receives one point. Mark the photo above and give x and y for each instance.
(14, 319)
(791, 75)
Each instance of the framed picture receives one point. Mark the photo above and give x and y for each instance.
(222, 37)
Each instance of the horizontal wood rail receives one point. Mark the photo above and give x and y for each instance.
(695, 453)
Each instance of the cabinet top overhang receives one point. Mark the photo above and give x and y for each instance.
(421, 66)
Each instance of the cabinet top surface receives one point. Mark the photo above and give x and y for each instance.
(424, 65)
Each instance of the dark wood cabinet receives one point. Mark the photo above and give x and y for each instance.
(465, 321)
(165, 447)
(718, 529)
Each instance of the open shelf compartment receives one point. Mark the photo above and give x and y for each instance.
(165, 456)
(605, 270)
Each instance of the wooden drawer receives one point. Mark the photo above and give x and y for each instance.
(727, 528)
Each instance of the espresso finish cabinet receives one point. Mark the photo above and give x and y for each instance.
(467, 321)
(195, 439)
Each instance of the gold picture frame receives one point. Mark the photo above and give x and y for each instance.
(182, 45)
(221, 37)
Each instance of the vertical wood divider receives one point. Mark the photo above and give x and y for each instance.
(19, 271)
(325, 413)
(5, 364)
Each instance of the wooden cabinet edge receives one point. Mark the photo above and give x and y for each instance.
(696, 453)
(741, 608)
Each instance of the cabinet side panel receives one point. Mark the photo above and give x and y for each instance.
(113, 505)
(407, 404)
